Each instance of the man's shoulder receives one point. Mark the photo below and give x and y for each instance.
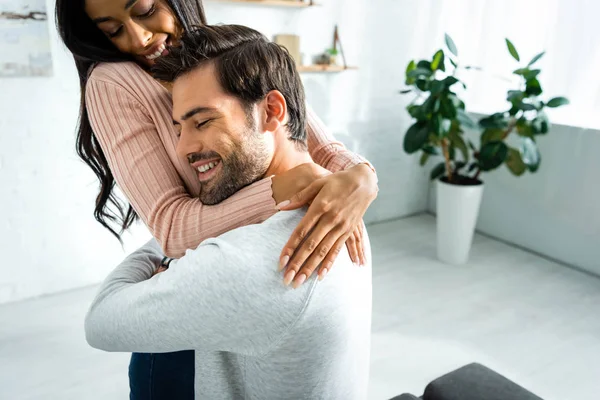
(274, 231)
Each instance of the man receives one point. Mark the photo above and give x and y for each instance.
(239, 104)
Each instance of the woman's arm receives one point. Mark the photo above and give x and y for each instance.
(144, 172)
(337, 202)
(325, 150)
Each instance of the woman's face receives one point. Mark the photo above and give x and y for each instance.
(142, 28)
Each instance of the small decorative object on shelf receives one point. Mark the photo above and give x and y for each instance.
(272, 3)
(292, 44)
(329, 57)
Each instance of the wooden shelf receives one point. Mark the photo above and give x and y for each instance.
(324, 68)
(271, 3)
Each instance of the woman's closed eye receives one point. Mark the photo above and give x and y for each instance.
(148, 13)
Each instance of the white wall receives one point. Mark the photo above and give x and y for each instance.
(50, 241)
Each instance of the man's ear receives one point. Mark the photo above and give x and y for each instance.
(274, 111)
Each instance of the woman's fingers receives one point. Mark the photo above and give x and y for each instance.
(316, 258)
(312, 245)
(298, 237)
(328, 261)
(353, 248)
(361, 243)
(303, 197)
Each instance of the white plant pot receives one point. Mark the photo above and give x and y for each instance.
(457, 211)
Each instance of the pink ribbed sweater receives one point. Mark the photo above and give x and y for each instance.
(130, 114)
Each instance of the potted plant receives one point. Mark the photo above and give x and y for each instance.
(506, 138)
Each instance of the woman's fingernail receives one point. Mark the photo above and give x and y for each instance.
(289, 277)
(282, 204)
(283, 263)
(299, 281)
(323, 273)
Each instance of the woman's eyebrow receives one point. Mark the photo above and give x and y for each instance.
(128, 5)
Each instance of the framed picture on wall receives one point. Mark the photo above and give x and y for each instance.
(24, 39)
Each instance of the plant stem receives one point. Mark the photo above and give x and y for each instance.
(447, 159)
(509, 129)
(477, 174)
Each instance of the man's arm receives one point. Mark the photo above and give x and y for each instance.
(223, 296)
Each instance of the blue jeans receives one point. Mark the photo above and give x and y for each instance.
(158, 376)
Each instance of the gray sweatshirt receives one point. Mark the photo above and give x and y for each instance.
(254, 338)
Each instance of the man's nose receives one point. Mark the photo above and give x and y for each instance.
(139, 37)
(185, 146)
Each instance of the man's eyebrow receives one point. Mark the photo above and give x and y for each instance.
(195, 111)
(128, 5)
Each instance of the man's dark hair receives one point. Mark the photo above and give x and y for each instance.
(247, 64)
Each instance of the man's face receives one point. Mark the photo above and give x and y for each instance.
(219, 138)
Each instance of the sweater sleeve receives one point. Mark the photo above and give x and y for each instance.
(325, 150)
(144, 172)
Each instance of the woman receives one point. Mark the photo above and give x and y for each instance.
(126, 136)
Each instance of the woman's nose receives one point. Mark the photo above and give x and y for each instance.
(140, 37)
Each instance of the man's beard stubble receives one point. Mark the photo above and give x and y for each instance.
(246, 164)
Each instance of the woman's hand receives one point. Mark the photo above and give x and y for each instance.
(295, 180)
(337, 204)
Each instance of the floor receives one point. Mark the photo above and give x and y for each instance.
(530, 319)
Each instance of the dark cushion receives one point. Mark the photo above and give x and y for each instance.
(475, 382)
(406, 396)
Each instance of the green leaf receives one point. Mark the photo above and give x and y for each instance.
(491, 135)
(526, 106)
(416, 111)
(453, 62)
(405, 91)
(521, 71)
(512, 50)
(429, 149)
(472, 166)
(532, 74)
(438, 171)
(457, 140)
(428, 105)
(419, 72)
(451, 45)
(416, 137)
(449, 81)
(447, 108)
(464, 119)
(425, 65)
(424, 158)
(437, 87)
(459, 165)
(492, 155)
(515, 96)
(530, 154)
(411, 67)
(441, 126)
(536, 58)
(438, 60)
(472, 146)
(541, 124)
(524, 128)
(533, 87)
(515, 163)
(423, 84)
(497, 120)
(557, 102)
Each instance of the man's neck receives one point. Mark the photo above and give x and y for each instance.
(287, 156)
